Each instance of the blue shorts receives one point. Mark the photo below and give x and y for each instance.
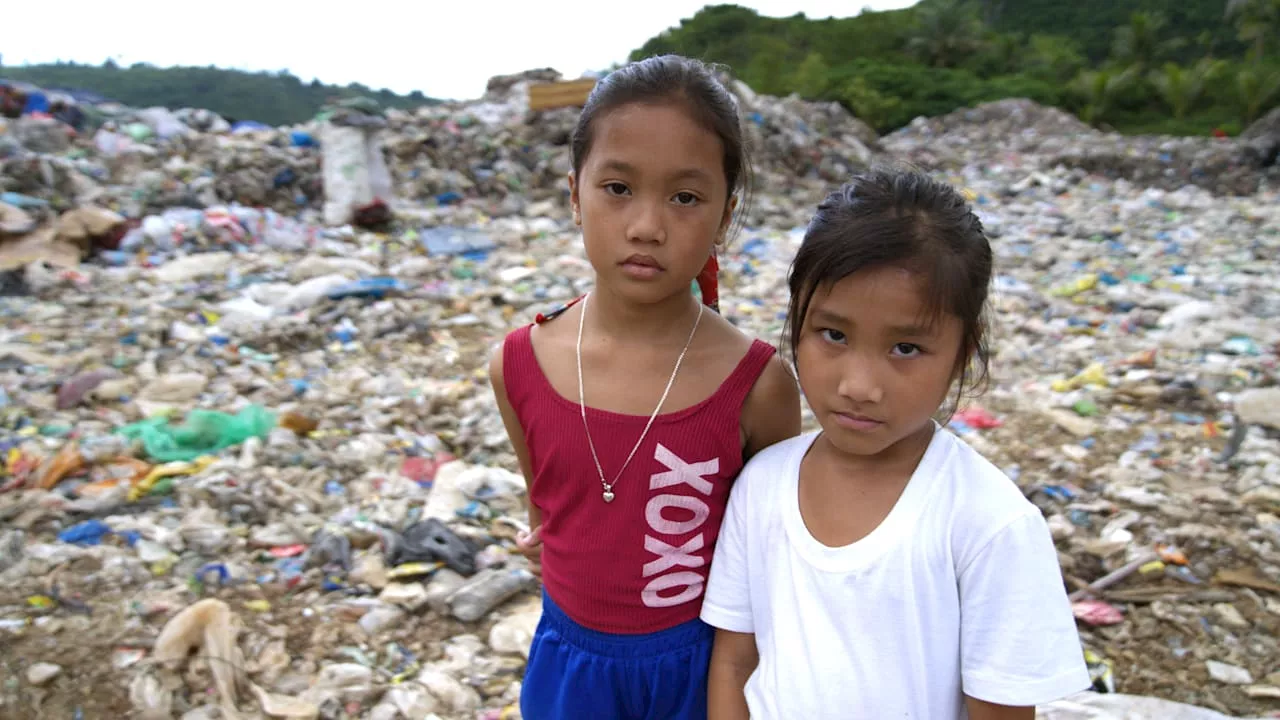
(576, 672)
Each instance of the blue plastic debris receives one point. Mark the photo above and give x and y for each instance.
(455, 241)
(1241, 346)
(89, 532)
(1058, 492)
(22, 201)
(284, 178)
(376, 288)
(756, 248)
(218, 568)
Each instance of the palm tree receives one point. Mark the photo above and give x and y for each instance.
(1257, 88)
(946, 32)
(1182, 87)
(1139, 42)
(1256, 20)
(1054, 57)
(1007, 49)
(1099, 90)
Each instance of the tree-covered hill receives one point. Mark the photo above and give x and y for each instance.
(1137, 65)
(272, 98)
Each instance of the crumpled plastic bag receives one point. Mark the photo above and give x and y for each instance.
(211, 627)
(204, 432)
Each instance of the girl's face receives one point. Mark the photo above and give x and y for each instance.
(651, 199)
(872, 372)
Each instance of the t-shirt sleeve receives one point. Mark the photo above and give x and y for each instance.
(727, 604)
(1018, 640)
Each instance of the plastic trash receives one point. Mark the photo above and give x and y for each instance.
(376, 288)
(430, 541)
(302, 139)
(203, 432)
(327, 547)
(456, 241)
(206, 626)
(355, 173)
(1112, 706)
(151, 701)
(487, 590)
(1135, 307)
(89, 532)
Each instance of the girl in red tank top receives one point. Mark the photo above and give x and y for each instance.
(632, 408)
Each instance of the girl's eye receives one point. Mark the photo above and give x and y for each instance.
(906, 349)
(832, 336)
(686, 198)
(615, 188)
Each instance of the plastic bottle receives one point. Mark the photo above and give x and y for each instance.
(486, 591)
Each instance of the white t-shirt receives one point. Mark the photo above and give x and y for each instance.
(958, 591)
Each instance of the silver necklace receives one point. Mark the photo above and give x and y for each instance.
(582, 405)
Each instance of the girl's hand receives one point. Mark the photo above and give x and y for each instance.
(529, 544)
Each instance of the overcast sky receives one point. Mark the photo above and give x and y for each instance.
(445, 48)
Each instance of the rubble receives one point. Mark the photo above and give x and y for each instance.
(1037, 137)
(252, 465)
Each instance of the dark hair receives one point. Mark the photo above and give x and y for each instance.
(903, 218)
(672, 78)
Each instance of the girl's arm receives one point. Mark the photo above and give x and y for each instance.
(514, 432)
(982, 710)
(772, 410)
(733, 659)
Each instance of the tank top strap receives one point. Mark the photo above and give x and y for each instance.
(733, 393)
(520, 368)
(521, 373)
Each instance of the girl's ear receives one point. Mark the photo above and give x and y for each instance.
(573, 200)
(725, 221)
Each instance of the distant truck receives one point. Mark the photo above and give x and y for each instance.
(567, 93)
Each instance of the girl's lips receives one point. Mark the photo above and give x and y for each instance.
(861, 423)
(645, 260)
(641, 267)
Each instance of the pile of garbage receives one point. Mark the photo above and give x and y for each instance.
(492, 151)
(1027, 133)
(250, 465)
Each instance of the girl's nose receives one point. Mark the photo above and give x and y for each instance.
(647, 224)
(859, 382)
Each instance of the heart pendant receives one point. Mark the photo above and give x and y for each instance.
(608, 496)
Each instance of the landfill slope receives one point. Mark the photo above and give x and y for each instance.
(253, 467)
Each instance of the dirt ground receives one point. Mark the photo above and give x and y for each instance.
(92, 688)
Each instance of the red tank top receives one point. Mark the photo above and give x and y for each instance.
(638, 564)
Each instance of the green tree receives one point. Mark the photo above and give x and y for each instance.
(1141, 42)
(1181, 88)
(1100, 89)
(999, 54)
(1257, 88)
(868, 104)
(991, 10)
(1255, 20)
(1054, 58)
(812, 79)
(767, 71)
(946, 32)
(275, 98)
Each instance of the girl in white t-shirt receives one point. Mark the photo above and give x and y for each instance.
(881, 568)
